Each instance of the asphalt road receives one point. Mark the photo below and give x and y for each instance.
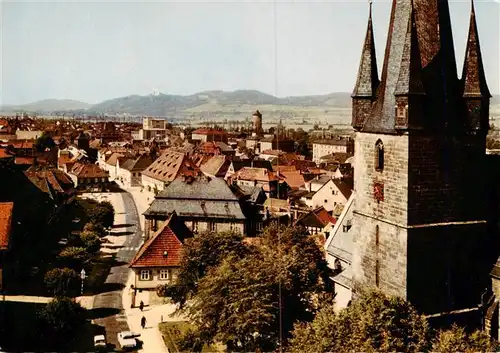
(119, 274)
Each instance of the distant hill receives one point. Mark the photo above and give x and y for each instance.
(215, 105)
(213, 101)
(47, 105)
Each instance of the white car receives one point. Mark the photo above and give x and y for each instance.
(127, 339)
(99, 341)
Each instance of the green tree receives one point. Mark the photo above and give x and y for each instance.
(90, 241)
(372, 323)
(102, 213)
(61, 318)
(96, 228)
(238, 302)
(199, 255)
(61, 281)
(457, 340)
(74, 257)
(43, 142)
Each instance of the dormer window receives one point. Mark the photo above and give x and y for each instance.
(379, 156)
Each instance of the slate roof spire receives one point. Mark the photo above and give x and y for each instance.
(410, 78)
(367, 81)
(432, 34)
(473, 77)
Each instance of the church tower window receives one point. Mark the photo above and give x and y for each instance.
(379, 156)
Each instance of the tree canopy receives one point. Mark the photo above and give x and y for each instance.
(102, 213)
(457, 340)
(61, 318)
(43, 142)
(199, 255)
(61, 281)
(375, 322)
(239, 288)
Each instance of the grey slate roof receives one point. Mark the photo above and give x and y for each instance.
(367, 81)
(202, 188)
(197, 208)
(204, 197)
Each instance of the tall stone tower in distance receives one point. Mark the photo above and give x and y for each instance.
(257, 123)
(420, 151)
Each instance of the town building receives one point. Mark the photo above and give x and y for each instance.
(203, 203)
(158, 260)
(209, 135)
(322, 148)
(130, 169)
(166, 168)
(316, 221)
(276, 142)
(420, 229)
(326, 192)
(153, 128)
(88, 176)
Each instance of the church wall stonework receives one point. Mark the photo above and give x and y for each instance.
(388, 215)
(394, 177)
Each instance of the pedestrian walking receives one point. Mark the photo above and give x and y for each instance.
(141, 305)
(143, 322)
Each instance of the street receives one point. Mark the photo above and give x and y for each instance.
(119, 274)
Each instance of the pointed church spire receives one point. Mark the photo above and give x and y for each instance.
(473, 76)
(367, 81)
(410, 79)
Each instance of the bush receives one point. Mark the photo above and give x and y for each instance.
(457, 340)
(95, 228)
(74, 257)
(103, 213)
(61, 318)
(90, 241)
(61, 281)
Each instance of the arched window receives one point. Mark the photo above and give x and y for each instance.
(379, 155)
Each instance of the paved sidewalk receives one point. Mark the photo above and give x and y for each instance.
(151, 336)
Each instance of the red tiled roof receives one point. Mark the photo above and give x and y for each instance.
(324, 216)
(209, 148)
(88, 170)
(294, 179)
(209, 132)
(63, 159)
(5, 223)
(21, 144)
(259, 174)
(164, 248)
(169, 166)
(5, 154)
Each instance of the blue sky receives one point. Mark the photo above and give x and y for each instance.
(92, 51)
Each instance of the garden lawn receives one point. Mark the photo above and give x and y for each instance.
(173, 331)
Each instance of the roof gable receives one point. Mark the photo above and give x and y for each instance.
(164, 248)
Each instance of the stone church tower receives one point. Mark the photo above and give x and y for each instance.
(419, 214)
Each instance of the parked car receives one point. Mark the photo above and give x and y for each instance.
(100, 343)
(126, 339)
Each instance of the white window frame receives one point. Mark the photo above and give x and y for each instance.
(145, 275)
(212, 226)
(165, 275)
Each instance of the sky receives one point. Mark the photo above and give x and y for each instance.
(95, 50)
